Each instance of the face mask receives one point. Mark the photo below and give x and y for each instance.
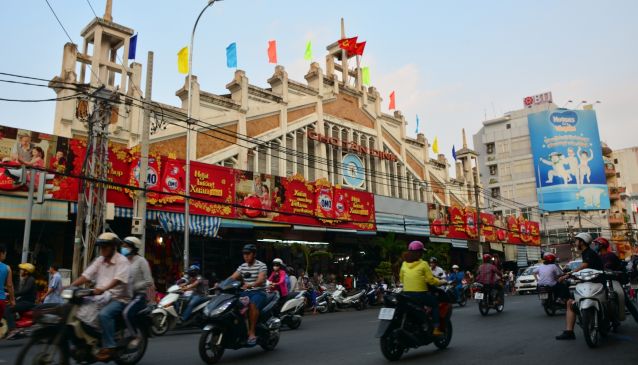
(125, 251)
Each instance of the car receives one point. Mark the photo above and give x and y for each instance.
(526, 281)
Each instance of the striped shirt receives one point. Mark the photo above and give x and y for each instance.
(254, 270)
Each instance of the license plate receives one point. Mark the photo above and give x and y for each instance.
(386, 313)
(543, 296)
(478, 296)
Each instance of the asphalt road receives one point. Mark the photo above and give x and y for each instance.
(522, 334)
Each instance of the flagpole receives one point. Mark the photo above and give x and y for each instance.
(188, 140)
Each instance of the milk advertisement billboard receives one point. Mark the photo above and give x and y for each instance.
(568, 160)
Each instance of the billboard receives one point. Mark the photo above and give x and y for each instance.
(568, 160)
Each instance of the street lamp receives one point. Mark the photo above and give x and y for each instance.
(188, 139)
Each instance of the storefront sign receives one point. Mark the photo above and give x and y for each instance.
(351, 146)
(537, 99)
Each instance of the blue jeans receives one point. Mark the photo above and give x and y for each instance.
(194, 302)
(429, 300)
(457, 291)
(107, 317)
(137, 304)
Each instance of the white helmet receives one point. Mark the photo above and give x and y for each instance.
(278, 261)
(455, 266)
(133, 241)
(586, 237)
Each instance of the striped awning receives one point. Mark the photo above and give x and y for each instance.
(417, 226)
(533, 253)
(15, 208)
(389, 222)
(200, 225)
(120, 212)
(521, 257)
(459, 243)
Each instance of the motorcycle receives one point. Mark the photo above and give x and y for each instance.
(596, 304)
(405, 324)
(549, 301)
(61, 335)
(355, 299)
(465, 293)
(486, 298)
(325, 302)
(374, 294)
(167, 315)
(226, 323)
(291, 308)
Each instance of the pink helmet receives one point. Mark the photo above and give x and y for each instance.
(416, 246)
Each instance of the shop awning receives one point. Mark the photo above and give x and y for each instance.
(510, 252)
(533, 253)
(496, 246)
(459, 243)
(417, 226)
(200, 225)
(390, 222)
(241, 224)
(15, 208)
(521, 257)
(120, 212)
(436, 239)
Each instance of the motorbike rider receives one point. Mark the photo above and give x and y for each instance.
(110, 273)
(140, 280)
(590, 261)
(612, 262)
(489, 275)
(437, 271)
(456, 279)
(6, 283)
(196, 284)
(548, 274)
(25, 295)
(254, 287)
(278, 277)
(416, 276)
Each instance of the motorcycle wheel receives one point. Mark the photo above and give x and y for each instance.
(322, 309)
(133, 356)
(391, 347)
(550, 309)
(271, 342)
(360, 306)
(463, 300)
(499, 308)
(33, 354)
(209, 351)
(331, 307)
(445, 340)
(590, 331)
(4, 328)
(484, 308)
(294, 323)
(157, 328)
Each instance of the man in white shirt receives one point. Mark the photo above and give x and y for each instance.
(437, 271)
(110, 273)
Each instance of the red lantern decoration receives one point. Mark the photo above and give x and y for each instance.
(501, 235)
(252, 206)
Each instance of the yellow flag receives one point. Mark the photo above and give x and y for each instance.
(182, 60)
(435, 145)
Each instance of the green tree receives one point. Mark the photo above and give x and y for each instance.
(391, 247)
(441, 251)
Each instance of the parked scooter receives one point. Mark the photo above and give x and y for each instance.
(596, 304)
(355, 299)
(405, 324)
(290, 309)
(325, 302)
(226, 323)
(61, 335)
(166, 316)
(374, 294)
(487, 298)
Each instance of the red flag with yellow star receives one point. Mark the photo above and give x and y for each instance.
(348, 44)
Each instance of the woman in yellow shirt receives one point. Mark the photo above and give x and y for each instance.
(416, 275)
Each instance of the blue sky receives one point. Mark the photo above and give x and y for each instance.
(451, 62)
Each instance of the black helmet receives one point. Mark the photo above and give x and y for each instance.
(249, 248)
(107, 239)
(193, 270)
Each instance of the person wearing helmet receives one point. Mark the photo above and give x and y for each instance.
(548, 274)
(456, 279)
(612, 262)
(110, 273)
(591, 260)
(25, 296)
(437, 271)
(489, 275)
(140, 281)
(416, 276)
(278, 277)
(197, 285)
(253, 273)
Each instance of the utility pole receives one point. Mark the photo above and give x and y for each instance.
(140, 200)
(580, 224)
(478, 219)
(27, 223)
(91, 211)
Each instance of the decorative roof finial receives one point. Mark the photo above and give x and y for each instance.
(108, 11)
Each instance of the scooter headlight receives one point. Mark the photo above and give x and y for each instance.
(219, 310)
(67, 294)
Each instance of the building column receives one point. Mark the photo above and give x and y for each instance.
(294, 156)
(268, 153)
(306, 157)
(368, 166)
(339, 156)
(256, 160)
